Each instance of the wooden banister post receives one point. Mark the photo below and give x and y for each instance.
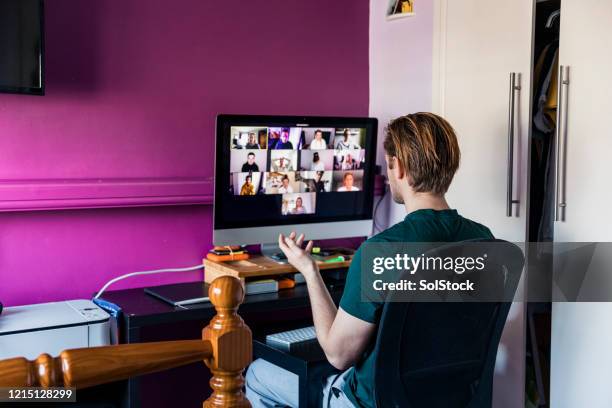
(231, 342)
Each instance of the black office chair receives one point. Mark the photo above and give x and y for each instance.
(442, 354)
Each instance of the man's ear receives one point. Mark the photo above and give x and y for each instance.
(396, 167)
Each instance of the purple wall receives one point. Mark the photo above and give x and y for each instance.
(133, 87)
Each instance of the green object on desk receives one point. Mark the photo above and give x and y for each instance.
(336, 259)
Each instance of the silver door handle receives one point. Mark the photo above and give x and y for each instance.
(515, 89)
(560, 142)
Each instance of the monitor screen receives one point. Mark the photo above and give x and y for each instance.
(280, 170)
(21, 46)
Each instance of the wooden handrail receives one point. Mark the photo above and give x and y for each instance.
(86, 367)
(226, 348)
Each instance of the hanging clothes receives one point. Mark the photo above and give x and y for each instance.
(544, 123)
(545, 104)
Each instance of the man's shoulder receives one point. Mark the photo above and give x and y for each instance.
(479, 229)
(410, 230)
(395, 233)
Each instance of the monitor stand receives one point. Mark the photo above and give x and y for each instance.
(272, 251)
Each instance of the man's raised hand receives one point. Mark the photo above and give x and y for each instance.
(298, 257)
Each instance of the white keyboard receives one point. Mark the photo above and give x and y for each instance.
(285, 340)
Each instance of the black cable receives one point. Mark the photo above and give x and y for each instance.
(376, 226)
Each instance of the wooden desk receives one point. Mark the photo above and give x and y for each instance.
(146, 318)
(262, 267)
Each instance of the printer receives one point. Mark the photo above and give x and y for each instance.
(28, 331)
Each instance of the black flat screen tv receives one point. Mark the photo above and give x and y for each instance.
(22, 47)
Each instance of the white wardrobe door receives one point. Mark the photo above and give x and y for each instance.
(482, 42)
(479, 43)
(581, 357)
(586, 48)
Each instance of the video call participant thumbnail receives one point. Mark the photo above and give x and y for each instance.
(318, 143)
(285, 187)
(244, 161)
(252, 143)
(316, 160)
(298, 204)
(315, 181)
(245, 184)
(349, 160)
(284, 142)
(250, 165)
(319, 183)
(283, 160)
(244, 137)
(281, 183)
(279, 139)
(349, 139)
(349, 181)
(317, 164)
(247, 187)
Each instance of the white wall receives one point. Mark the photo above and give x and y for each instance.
(400, 74)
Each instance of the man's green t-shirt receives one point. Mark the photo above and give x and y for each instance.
(418, 226)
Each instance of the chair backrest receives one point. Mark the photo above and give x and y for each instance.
(442, 354)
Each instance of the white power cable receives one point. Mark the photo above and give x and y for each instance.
(128, 275)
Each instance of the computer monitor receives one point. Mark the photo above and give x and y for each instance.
(276, 174)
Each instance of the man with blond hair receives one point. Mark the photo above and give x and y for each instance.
(422, 156)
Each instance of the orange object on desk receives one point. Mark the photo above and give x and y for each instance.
(285, 283)
(226, 247)
(225, 258)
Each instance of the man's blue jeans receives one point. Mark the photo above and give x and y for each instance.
(268, 385)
